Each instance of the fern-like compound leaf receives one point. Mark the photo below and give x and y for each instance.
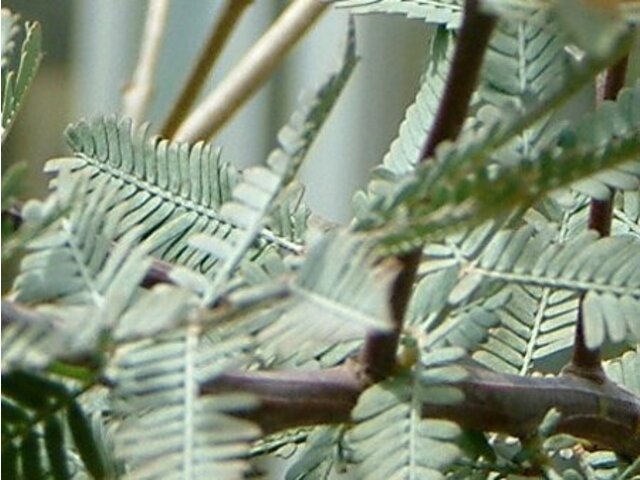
(84, 283)
(525, 62)
(288, 215)
(611, 156)
(152, 182)
(599, 268)
(338, 294)
(171, 430)
(391, 439)
(445, 12)
(10, 29)
(525, 316)
(404, 152)
(297, 136)
(15, 83)
(254, 197)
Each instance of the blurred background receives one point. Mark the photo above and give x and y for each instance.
(90, 52)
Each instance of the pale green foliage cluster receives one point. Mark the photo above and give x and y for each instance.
(254, 284)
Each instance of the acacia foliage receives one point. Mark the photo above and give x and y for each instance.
(110, 371)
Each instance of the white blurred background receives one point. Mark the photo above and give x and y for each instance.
(90, 52)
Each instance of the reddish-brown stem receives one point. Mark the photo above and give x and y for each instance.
(599, 411)
(462, 78)
(586, 361)
(379, 352)
(295, 398)
(600, 215)
(492, 401)
(613, 81)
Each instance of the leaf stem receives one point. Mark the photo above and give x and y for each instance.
(226, 21)
(138, 93)
(378, 354)
(584, 361)
(251, 72)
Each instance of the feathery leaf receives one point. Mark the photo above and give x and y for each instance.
(391, 439)
(15, 83)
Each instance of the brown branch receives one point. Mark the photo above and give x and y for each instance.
(613, 81)
(598, 411)
(603, 413)
(379, 352)
(295, 398)
(462, 78)
(251, 72)
(584, 361)
(227, 20)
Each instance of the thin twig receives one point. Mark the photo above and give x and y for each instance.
(226, 22)
(379, 351)
(138, 93)
(252, 71)
(584, 361)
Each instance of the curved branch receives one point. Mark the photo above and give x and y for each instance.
(603, 413)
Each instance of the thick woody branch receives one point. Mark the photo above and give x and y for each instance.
(597, 410)
(379, 352)
(295, 398)
(602, 413)
(251, 72)
(227, 20)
